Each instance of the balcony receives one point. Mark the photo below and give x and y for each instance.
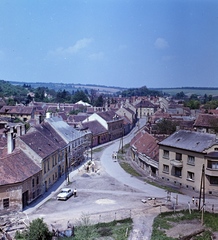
(176, 163)
(211, 172)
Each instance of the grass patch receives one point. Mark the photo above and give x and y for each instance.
(125, 148)
(117, 229)
(96, 150)
(163, 222)
(167, 188)
(128, 168)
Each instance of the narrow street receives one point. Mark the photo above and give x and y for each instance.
(105, 194)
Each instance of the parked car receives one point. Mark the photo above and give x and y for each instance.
(65, 194)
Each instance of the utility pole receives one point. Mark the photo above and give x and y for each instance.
(91, 144)
(121, 143)
(202, 189)
(67, 166)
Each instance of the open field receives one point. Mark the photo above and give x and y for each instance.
(190, 91)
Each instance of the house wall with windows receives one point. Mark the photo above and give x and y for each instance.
(182, 157)
(144, 152)
(11, 198)
(20, 181)
(181, 167)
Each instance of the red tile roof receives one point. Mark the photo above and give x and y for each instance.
(206, 120)
(146, 144)
(17, 167)
(95, 127)
(16, 110)
(39, 143)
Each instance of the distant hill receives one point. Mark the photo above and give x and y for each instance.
(112, 89)
(190, 90)
(72, 87)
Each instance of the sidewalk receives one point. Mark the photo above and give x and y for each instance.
(53, 190)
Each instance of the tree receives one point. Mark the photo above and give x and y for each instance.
(85, 230)
(99, 101)
(192, 104)
(38, 230)
(180, 95)
(166, 126)
(79, 95)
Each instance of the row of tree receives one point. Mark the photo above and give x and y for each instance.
(195, 101)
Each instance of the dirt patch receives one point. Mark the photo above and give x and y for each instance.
(184, 228)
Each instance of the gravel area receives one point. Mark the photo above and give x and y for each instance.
(102, 198)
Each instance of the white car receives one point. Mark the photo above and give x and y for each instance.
(65, 194)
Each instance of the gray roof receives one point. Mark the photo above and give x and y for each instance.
(193, 141)
(67, 132)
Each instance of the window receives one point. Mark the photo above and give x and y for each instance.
(6, 203)
(33, 182)
(191, 160)
(44, 167)
(53, 161)
(178, 156)
(165, 154)
(165, 168)
(37, 180)
(190, 176)
(178, 172)
(212, 165)
(214, 180)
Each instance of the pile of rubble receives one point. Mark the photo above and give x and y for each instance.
(11, 223)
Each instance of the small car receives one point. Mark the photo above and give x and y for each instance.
(65, 194)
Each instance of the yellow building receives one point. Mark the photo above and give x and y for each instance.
(182, 157)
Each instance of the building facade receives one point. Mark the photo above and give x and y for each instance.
(186, 156)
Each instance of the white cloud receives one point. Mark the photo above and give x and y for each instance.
(161, 43)
(96, 56)
(80, 44)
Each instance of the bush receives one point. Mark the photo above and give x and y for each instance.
(37, 230)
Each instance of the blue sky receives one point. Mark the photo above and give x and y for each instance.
(124, 43)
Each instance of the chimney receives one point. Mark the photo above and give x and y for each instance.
(48, 115)
(19, 130)
(10, 140)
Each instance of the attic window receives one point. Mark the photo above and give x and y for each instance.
(197, 143)
(39, 149)
(178, 140)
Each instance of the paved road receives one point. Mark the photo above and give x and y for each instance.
(111, 192)
(114, 169)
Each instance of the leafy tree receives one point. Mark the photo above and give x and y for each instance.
(63, 96)
(93, 96)
(213, 104)
(85, 230)
(143, 91)
(38, 230)
(79, 95)
(10, 102)
(99, 102)
(8, 89)
(40, 94)
(180, 95)
(192, 104)
(166, 126)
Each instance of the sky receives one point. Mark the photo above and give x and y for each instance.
(121, 43)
